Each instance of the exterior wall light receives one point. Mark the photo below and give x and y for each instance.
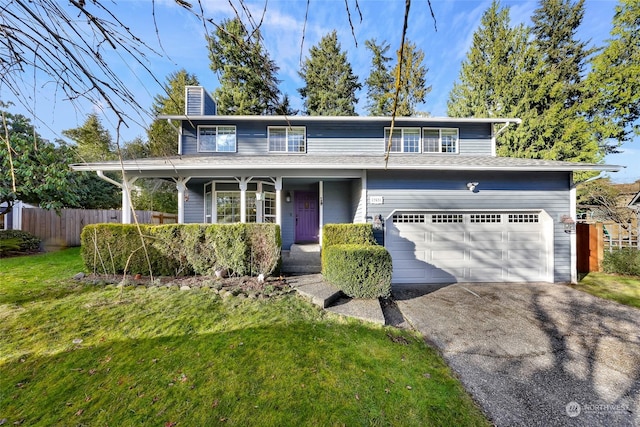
(569, 224)
(287, 198)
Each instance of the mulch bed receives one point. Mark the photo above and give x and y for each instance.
(232, 286)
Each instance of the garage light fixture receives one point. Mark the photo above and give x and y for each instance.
(472, 186)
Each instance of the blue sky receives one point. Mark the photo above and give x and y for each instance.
(183, 46)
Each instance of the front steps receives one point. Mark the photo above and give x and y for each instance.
(302, 259)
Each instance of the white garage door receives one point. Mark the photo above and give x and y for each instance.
(447, 247)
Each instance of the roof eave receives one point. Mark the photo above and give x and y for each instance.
(340, 118)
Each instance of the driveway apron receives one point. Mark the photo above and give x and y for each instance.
(536, 353)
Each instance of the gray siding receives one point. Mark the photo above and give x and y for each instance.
(194, 207)
(499, 191)
(331, 138)
(337, 202)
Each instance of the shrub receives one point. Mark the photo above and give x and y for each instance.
(176, 250)
(18, 241)
(622, 261)
(230, 247)
(346, 234)
(360, 271)
(265, 244)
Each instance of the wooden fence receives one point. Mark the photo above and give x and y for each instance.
(617, 236)
(65, 229)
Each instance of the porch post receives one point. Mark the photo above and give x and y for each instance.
(572, 236)
(126, 198)
(242, 182)
(278, 187)
(181, 185)
(320, 209)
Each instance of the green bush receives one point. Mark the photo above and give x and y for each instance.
(360, 271)
(175, 250)
(18, 241)
(346, 234)
(622, 261)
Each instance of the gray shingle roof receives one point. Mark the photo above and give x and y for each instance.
(352, 162)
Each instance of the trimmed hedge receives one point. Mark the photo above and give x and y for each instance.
(360, 271)
(622, 261)
(18, 241)
(345, 234)
(178, 250)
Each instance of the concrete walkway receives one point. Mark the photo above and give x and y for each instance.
(535, 354)
(321, 293)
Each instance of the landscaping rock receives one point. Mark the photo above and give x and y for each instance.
(79, 276)
(185, 288)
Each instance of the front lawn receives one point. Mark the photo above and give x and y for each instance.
(74, 354)
(623, 289)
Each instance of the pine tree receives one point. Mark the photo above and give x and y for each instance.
(380, 81)
(163, 138)
(614, 82)
(248, 83)
(93, 141)
(411, 77)
(540, 82)
(491, 77)
(330, 85)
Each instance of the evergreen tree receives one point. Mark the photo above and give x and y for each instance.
(163, 138)
(492, 76)
(93, 141)
(413, 89)
(380, 81)
(506, 76)
(614, 82)
(248, 83)
(330, 85)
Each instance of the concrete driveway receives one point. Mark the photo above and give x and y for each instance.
(535, 354)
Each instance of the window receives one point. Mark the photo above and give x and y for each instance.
(269, 207)
(403, 140)
(284, 139)
(218, 139)
(437, 140)
(523, 218)
(446, 218)
(409, 218)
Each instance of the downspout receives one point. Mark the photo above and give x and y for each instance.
(179, 130)
(495, 135)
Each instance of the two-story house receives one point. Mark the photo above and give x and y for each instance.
(449, 209)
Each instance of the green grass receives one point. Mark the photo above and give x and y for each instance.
(75, 354)
(623, 289)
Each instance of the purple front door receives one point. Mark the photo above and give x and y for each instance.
(306, 210)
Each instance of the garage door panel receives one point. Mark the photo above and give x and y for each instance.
(486, 255)
(447, 255)
(526, 236)
(480, 248)
(486, 236)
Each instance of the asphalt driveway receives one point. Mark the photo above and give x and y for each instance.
(535, 354)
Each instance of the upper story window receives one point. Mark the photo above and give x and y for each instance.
(436, 140)
(403, 140)
(217, 139)
(284, 139)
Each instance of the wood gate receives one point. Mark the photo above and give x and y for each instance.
(590, 247)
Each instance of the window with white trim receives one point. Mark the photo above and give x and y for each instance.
(440, 140)
(217, 139)
(403, 140)
(284, 139)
